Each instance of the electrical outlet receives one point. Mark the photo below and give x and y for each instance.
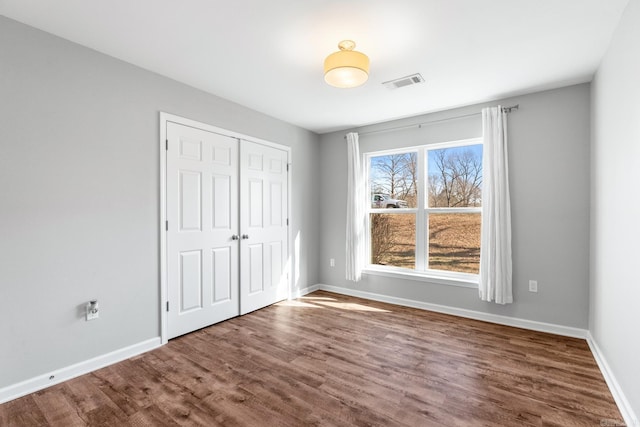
(92, 310)
(533, 286)
(332, 262)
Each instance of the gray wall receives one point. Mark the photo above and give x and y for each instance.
(549, 178)
(79, 205)
(615, 209)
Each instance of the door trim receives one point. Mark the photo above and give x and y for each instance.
(166, 118)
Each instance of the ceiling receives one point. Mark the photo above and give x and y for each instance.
(268, 55)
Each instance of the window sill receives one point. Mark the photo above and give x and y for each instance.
(454, 279)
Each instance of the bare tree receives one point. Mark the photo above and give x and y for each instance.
(390, 170)
(468, 171)
(441, 180)
(457, 179)
(410, 180)
(396, 175)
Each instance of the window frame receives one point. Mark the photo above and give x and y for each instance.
(421, 213)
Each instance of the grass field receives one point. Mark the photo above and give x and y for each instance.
(454, 242)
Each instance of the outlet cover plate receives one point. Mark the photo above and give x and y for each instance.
(92, 314)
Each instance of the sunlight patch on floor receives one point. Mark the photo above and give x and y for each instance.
(323, 302)
(351, 306)
(318, 298)
(296, 303)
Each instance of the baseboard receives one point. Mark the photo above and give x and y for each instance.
(470, 314)
(51, 378)
(624, 406)
(304, 291)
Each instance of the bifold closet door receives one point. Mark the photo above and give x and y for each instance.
(263, 225)
(202, 241)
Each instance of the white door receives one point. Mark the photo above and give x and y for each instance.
(263, 224)
(202, 216)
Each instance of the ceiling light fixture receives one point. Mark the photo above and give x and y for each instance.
(346, 68)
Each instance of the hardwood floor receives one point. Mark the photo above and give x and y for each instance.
(328, 359)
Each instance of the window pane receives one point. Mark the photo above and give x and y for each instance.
(455, 177)
(393, 240)
(393, 180)
(454, 242)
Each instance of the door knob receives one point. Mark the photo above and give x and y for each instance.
(235, 237)
(245, 236)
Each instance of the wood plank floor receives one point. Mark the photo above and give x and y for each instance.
(331, 360)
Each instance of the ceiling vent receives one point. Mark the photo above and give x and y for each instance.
(413, 79)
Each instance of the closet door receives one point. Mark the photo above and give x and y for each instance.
(263, 224)
(202, 242)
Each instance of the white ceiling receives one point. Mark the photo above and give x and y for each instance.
(268, 54)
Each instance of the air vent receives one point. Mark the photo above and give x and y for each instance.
(404, 81)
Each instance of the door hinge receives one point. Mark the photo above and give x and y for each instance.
(288, 164)
(167, 305)
(166, 225)
(166, 144)
(287, 221)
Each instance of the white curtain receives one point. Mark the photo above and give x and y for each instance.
(495, 253)
(355, 210)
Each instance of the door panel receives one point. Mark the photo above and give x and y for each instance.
(220, 198)
(256, 273)
(275, 217)
(276, 261)
(202, 214)
(221, 274)
(190, 200)
(190, 280)
(263, 223)
(254, 205)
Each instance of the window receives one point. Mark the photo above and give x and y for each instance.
(424, 213)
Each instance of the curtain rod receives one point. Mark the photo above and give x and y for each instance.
(419, 125)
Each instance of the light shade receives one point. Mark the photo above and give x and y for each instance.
(346, 68)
